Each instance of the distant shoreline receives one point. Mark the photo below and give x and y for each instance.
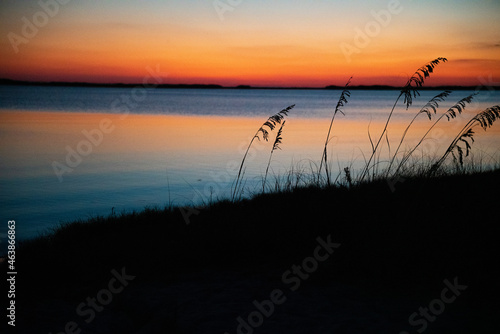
(5, 82)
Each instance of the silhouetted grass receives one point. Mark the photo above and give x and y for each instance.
(484, 119)
(409, 91)
(276, 145)
(451, 113)
(263, 131)
(429, 109)
(338, 109)
(374, 167)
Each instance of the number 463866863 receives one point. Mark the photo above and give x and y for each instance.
(11, 254)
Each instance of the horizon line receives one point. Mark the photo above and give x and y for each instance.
(6, 81)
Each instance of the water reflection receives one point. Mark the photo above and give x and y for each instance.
(138, 160)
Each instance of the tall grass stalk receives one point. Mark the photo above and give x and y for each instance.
(270, 124)
(429, 108)
(276, 145)
(341, 102)
(409, 91)
(485, 119)
(451, 113)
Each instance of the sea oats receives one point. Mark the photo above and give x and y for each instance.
(276, 144)
(269, 124)
(485, 119)
(409, 90)
(341, 102)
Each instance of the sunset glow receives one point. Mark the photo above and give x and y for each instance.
(310, 43)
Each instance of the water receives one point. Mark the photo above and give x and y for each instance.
(72, 153)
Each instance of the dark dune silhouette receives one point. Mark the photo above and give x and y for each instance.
(396, 248)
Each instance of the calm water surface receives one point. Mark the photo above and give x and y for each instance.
(72, 153)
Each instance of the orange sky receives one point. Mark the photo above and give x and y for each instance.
(310, 43)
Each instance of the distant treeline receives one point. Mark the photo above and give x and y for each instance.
(215, 86)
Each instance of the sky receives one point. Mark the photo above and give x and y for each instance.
(306, 43)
